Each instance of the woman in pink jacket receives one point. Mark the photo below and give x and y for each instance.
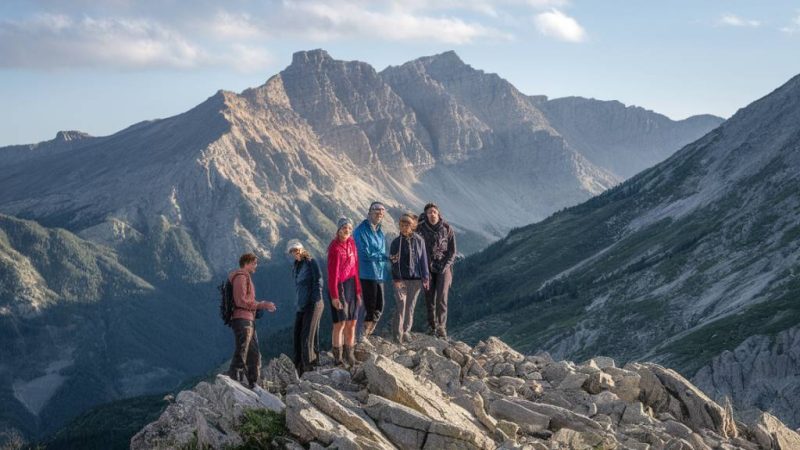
(345, 291)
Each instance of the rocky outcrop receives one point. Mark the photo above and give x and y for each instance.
(392, 399)
(762, 372)
(207, 415)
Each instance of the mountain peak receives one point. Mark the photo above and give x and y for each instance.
(71, 135)
(315, 56)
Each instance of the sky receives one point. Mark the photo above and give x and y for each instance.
(100, 66)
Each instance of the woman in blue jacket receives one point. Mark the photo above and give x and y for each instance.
(409, 275)
(308, 285)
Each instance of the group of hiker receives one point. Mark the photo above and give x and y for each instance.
(419, 259)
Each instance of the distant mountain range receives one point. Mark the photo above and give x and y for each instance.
(693, 263)
(110, 246)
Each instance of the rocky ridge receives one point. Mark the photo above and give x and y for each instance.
(763, 372)
(436, 394)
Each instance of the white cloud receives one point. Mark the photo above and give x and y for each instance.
(548, 3)
(341, 19)
(51, 41)
(237, 26)
(560, 26)
(732, 20)
(794, 27)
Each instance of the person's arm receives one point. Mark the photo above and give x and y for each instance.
(333, 273)
(394, 249)
(316, 282)
(426, 275)
(451, 251)
(358, 278)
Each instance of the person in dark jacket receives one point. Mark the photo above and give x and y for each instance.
(246, 359)
(308, 285)
(440, 244)
(409, 275)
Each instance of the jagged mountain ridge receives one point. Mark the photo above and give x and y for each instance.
(175, 200)
(619, 138)
(677, 264)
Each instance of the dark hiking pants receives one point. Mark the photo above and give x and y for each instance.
(436, 299)
(306, 336)
(246, 357)
(372, 294)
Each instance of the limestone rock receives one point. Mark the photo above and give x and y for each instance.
(529, 421)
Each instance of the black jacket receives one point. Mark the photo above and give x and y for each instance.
(307, 283)
(440, 242)
(413, 262)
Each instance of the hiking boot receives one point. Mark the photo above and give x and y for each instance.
(236, 375)
(441, 332)
(349, 355)
(369, 328)
(431, 331)
(337, 356)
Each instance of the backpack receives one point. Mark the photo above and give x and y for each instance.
(226, 303)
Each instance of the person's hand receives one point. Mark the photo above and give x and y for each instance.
(426, 284)
(358, 300)
(395, 258)
(336, 303)
(271, 306)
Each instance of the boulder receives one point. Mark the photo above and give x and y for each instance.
(560, 417)
(555, 372)
(771, 433)
(693, 407)
(364, 429)
(573, 381)
(442, 371)
(528, 421)
(398, 384)
(598, 382)
(280, 373)
(583, 440)
(307, 423)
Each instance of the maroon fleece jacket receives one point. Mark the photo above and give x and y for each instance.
(244, 295)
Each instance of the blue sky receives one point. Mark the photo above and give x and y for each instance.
(99, 66)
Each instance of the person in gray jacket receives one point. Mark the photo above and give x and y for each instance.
(409, 275)
(440, 243)
(308, 286)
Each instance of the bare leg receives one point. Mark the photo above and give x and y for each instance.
(350, 332)
(337, 333)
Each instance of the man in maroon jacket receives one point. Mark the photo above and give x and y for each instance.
(243, 323)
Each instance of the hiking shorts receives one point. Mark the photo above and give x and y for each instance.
(347, 297)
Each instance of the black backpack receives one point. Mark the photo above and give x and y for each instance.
(226, 304)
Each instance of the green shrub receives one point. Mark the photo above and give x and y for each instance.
(259, 427)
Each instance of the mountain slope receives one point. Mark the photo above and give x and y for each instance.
(81, 329)
(622, 139)
(704, 245)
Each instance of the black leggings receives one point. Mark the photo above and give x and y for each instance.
(372, 293)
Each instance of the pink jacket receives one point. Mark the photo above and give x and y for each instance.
(342, 265)
(244, 295)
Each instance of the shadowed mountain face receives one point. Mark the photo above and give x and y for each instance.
(149, 218)
(678, 264)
